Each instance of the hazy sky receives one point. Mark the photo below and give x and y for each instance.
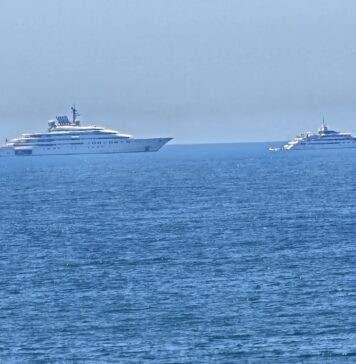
(196, 70)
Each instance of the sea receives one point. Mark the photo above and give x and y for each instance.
(225, 253)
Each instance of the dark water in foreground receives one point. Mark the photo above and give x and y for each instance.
(195, 254)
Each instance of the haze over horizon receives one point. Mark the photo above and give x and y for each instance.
(200, 71)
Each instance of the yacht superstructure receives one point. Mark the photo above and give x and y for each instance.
(70, 137)
(324, 139)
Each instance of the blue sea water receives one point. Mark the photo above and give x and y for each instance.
(196, 254)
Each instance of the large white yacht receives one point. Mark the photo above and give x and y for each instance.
(70, 137)
(324, 139)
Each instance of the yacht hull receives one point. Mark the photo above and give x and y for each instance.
(85, 147)
(322, 146)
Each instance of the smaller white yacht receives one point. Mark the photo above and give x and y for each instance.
(323, 139)
(65, 136)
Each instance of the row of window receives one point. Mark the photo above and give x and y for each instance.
(35, 140)
(90, 133)
(325, 143)
(51, 145)
(89, 147)
(111, 142)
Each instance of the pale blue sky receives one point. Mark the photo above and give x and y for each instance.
(197, 70)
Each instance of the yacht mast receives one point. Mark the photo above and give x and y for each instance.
(75, 114)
